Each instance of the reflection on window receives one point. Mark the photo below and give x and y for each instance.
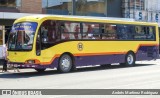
(70, 30)
(60, 7)
(91, 31)
(109, 31)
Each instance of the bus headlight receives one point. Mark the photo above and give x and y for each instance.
(33, 61)
(30, 61)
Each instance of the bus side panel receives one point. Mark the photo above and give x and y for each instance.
(99, 59)
(147, 53)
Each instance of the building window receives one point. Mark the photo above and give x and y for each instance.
(90, 7)
(3, 2)
(9, 3)
(60, 7)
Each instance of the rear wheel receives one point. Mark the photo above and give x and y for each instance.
(130, 59)
(65, 63)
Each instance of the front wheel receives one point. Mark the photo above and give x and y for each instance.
(65, 63)
(130, 59)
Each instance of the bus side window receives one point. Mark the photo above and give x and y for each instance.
(110, 32)
(64, 34)
(150, 33)
(70, 30)
(48, 32)
(91, 31)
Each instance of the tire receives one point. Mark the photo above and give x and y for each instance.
(40, 70)
(130, 59)
(65, 63)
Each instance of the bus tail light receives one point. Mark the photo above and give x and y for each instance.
(33, 61)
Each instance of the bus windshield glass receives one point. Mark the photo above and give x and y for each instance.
(22, 36)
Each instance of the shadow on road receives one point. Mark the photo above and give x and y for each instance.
(55, 72)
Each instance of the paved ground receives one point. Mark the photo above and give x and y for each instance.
(146, 75)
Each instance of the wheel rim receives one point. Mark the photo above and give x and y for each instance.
(130, 59)
(66, 63)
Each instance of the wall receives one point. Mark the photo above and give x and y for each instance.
(114, 8)
(31, 6)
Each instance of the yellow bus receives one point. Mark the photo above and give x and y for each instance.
(67, 42)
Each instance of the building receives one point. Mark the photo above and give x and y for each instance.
(142, 10)
(13, 9)
(103, 8)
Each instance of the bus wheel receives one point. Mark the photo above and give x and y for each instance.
(130, 59)
(65, 63)
(40, 70)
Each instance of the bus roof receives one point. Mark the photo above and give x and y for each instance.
(36, 18)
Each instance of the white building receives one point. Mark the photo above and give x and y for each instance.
(142, 10)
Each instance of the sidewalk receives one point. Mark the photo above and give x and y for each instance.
(1, 67)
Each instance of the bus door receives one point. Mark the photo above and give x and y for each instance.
(46, 38)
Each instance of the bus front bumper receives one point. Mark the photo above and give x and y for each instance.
(17, 65)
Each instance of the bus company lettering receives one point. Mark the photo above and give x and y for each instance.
(80, 46)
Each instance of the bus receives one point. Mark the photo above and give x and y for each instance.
(68, 42)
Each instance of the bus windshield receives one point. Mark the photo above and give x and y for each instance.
(22, 36)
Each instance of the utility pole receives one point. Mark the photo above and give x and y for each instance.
(134, 10)
(74, 7)
(47, 4)
(129, 8)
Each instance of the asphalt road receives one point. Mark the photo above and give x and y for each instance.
(145, 75)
